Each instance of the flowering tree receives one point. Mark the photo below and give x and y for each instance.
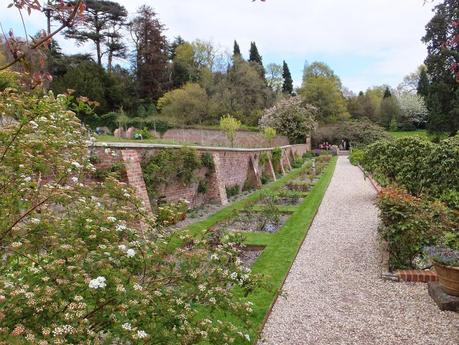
(292, 118)
(76, 268)
(81, 260)
(412, 108)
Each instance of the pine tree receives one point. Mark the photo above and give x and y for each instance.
(288, 81)
(256, 59)
(442, 62)
(102, 25)
(423, 84)
(151, 54)
(236, 50)
(387, 93)
(255, 55)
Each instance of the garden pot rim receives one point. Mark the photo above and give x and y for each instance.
(445, 266)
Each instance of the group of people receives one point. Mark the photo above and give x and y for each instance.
(344, 145)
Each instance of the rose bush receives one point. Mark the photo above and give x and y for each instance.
(82, 261)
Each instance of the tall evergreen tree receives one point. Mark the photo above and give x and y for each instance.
(150, 55)
(102, 24)
(254, 54)
(256, 59)
(288, 81)
(387, 93)
(423, 84)
(236, 50)
(442, 62)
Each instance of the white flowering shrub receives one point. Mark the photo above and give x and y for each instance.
(291, 117)
(80, 260)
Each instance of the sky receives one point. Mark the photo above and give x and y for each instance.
(366, 42)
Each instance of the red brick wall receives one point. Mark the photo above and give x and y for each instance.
(233, 167)
(218, 138)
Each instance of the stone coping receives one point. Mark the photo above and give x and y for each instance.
(131, 145)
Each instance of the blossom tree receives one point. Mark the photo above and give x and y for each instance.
(81, 260)
(292, 118)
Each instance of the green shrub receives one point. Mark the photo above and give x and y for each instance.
(233, 190)
(207, 161)
(356, 156)
(203, 186)
(276, 156)
(409, 224)
(144, 133)
(170, 165)
(171, 213)
(419, 166)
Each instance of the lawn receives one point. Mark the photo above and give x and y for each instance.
(281, 247)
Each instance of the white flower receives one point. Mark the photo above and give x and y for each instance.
(127, 326)
(138, 287)
(120, 227)
(130, 253)
(202, 287)
(33, 124)
(247, 337)
(98, 283)
(233, 275)
(214, 257)
(35, 221)
(76, 165)
(212, 300)
(27, 179)
(122, 247)
(111, 219)
(142, 334)
(74, 179)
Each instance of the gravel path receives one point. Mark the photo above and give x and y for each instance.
(334, 294)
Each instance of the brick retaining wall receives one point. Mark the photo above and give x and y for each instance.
(232, 167)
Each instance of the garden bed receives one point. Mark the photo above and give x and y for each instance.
(254, 222)
(250, 254)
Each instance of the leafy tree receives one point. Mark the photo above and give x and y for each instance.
(287, 87)
(230, 125)
(291, 117)
(387, 93)
(150, 55)
(102, 24)
(242, 93)
(413, 111)
(178, 41)
(187, 105)
(274, 77)
(322, 89)
(442, 62)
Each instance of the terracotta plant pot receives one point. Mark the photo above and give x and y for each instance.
(449, 278)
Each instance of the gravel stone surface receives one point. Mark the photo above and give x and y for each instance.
(334, 293)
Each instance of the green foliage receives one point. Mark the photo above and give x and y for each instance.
(207, 161)
(75, 252)
(270, 134)
(187, 105)
(232, 190)
(409, 224)
(203, 186)
(8, 79)
(167, 166)
(322, 89)
(357, 132)
(291, 117)
(116, 170)
(276, 156)
(171, 213)
(144, 133)
(441, 62)
(356, 156)
(287, 87)
(389, 110)
(415, 164)
(229, 125)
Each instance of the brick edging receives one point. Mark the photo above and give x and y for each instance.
(417, 276)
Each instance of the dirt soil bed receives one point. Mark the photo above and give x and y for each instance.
(253, 222)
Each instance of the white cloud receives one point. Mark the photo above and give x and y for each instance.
(386, 33)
